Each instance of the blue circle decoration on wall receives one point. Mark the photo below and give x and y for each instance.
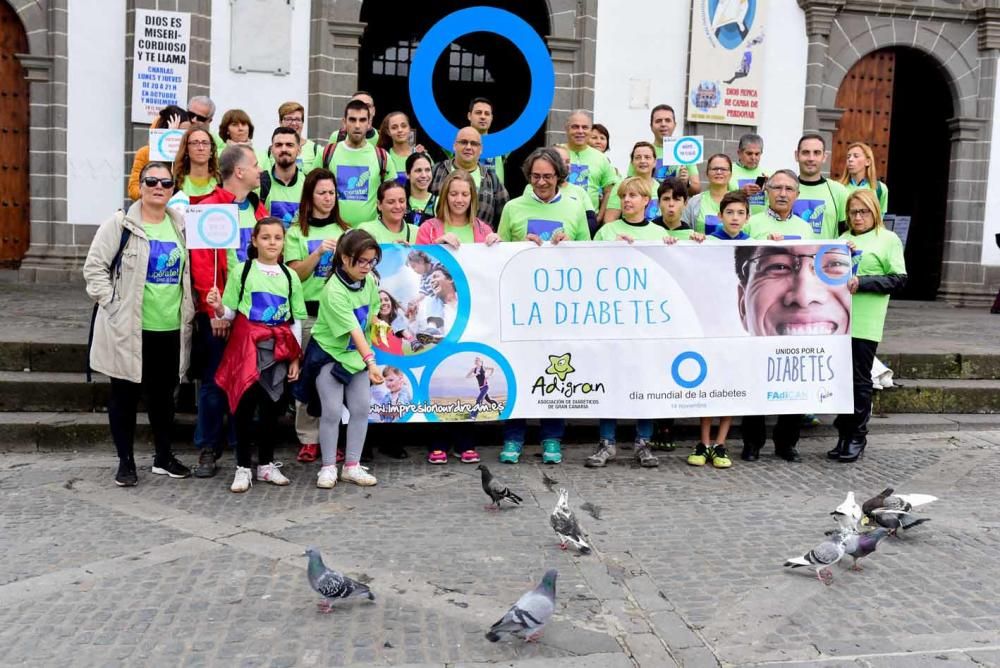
(504, 24)
(424, 395)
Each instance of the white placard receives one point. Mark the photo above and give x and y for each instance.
(161, 51)
(683, 150)
(163, 144)
(212, 226)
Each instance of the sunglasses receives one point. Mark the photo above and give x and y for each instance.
(198, 117)
(151, 181)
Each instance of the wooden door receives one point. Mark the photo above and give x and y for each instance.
(14, 219)
(865, 95)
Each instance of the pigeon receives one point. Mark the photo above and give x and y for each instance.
(331, 584)
(848, 515)
(862, 544)
(496, 491)
(528, 617)
(821, 557)
(892, 511)
(876, 501)
(894, 520)
(566, 527)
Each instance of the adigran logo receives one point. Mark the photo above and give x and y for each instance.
(560, 366)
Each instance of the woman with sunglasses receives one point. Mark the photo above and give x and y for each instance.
(881, 270)
(137, 272)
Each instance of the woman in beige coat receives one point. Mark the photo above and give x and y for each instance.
(137, 272)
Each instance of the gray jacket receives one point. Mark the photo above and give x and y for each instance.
(117, 346)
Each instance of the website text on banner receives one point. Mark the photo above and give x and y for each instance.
(612, 330)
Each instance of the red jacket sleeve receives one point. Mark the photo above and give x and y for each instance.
(203, 276)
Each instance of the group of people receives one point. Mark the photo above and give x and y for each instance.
(297, 309)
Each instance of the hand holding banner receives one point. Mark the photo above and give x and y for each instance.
(163, 144)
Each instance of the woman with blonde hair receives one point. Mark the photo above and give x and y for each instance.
(860, 172)
(881, 270)
(455, 220)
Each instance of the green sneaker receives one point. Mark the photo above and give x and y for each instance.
(699, 456)
(511, 452)
(551, 451)
(720, 459)
(809, 421)
(663, 440)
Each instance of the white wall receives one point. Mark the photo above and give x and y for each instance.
(95, 132)
(991, 224)
(651, 54)
(258, 93)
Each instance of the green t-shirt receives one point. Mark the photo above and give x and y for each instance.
(248, 221)
(395, 166)
(644, 231)
(495, 164)
(373, 140)
(358, 179)
(681, 233)
(341, 311)
(528, 215)
(265, 295)
(702, 213)
(161, 294)
(662, 172)
(299, 246)
(591, 170)
(377, 229)
(306, 162)
(881, 192)
(822, 206)
(573, 191)
(761, 225)
(193, 187)
(283, 200)
(881, 254)
(742, 177)
(463, 232)
(652, 209)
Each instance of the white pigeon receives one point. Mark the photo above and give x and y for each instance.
(848, 515)
(564, 523)
(821, 558)
(528, 617)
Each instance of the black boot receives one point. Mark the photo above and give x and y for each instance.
(852, 450)
(837, 449)
(788, 454)
(750, 452)
(126, 475)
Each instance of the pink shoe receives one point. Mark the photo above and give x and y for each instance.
(470, 457)
(437, 457)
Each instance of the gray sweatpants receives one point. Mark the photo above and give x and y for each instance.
(306, 426)
(332, 396)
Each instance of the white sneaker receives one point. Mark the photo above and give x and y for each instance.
(241, 482)
(357, 474)
(327, 477)
(270, 473)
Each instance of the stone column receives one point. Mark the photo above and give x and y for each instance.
(565, 51)
(333, 71)
(820, 15)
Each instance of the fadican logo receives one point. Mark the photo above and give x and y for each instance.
(560, 366)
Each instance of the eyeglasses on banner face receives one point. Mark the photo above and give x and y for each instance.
(835, 264)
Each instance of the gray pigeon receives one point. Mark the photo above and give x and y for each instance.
(860, 545)
(566, 527)
(821, 557)
(894, 520)
(331, 584)
(528, 617)
(892, 511)
(496, 491)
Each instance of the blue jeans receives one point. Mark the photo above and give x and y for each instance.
(513, 430)
(643, 429)
(212, 405)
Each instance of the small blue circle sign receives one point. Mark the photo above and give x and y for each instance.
(219, 228)
(687, 150)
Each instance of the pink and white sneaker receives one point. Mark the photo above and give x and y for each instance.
(437, 457)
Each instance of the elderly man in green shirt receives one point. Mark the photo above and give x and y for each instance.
(589, 168)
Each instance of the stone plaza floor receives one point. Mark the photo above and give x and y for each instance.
(687, 568)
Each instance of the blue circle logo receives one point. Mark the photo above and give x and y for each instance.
(504, 24)
(425, 393)
(218, 233)
(687, 150)
(169, 136)
(818, 265)
(675, 369)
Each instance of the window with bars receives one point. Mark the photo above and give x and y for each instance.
(463, 65)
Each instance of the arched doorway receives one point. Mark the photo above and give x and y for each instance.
(478, 64)
(898, 101)
(14, 123)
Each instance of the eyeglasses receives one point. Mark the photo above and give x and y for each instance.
(859, 213)
(468, 142)
(199, 117)
(836, 264)
(361, 262)
(783, 189)
(719, 169)
(200, 143)
(151, 181)
(291, 119)
(542, 177)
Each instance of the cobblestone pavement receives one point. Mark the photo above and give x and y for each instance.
(687, 568)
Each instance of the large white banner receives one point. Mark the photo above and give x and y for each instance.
(724, 79)
(161, 53)
(610, 330)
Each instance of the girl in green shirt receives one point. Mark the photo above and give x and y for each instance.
(396, 137)
(421, 202)
(880, 271)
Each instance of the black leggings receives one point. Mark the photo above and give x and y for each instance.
(161, 353)
(263, 432)
(854, 426)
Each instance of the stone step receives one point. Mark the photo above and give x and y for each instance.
(935, 395)
(52, 392)
(50, 431)
(43, 356)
